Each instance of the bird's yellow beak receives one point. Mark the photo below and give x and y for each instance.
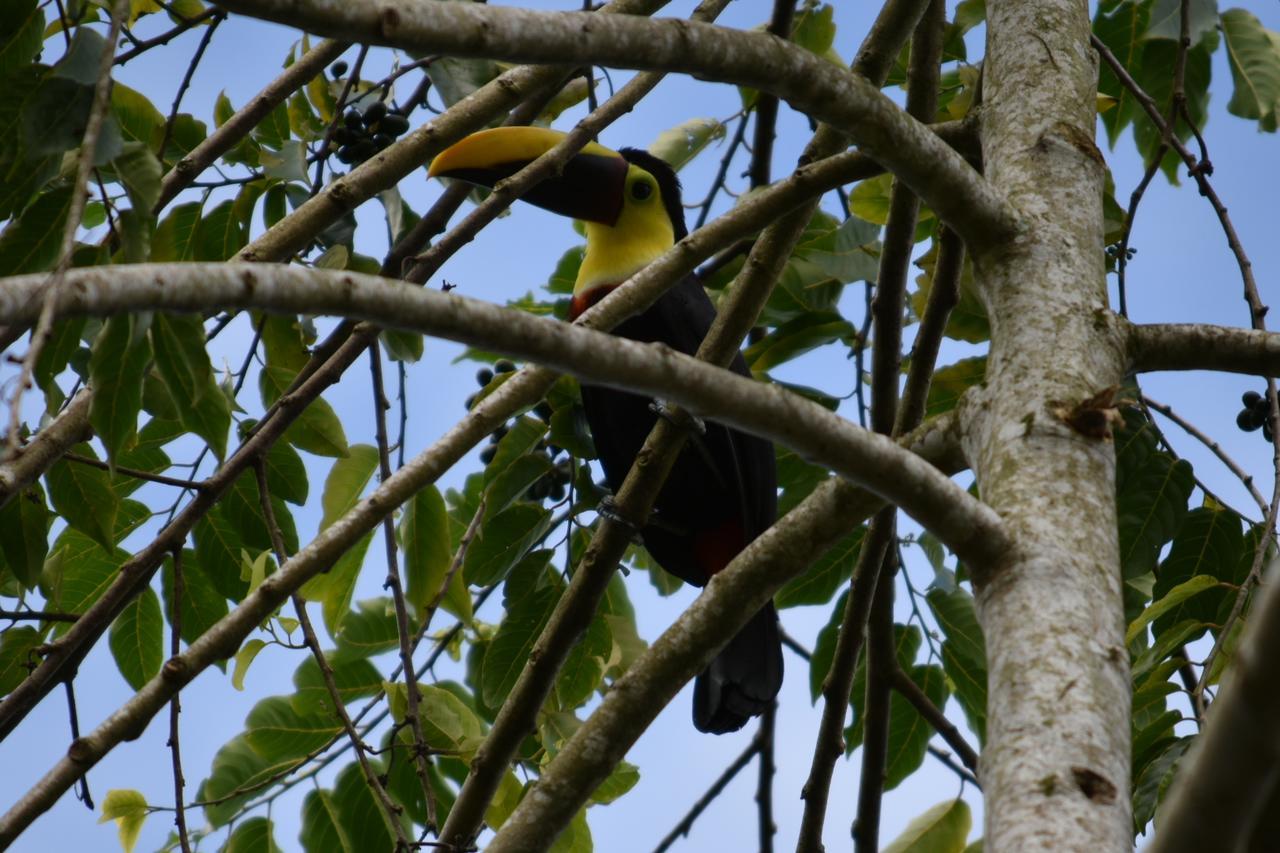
(591, 186)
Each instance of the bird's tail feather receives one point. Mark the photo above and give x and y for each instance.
(741, 681)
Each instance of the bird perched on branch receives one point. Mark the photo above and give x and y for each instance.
(722, 490)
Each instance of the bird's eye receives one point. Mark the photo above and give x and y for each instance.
(641, 190)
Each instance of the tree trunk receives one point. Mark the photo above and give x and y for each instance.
(1055, 770)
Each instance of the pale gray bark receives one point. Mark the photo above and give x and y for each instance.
(967, 526)
(1055, 770)
(956, 192)
(1200, 346)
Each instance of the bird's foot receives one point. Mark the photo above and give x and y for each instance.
(608, 508)
(678, 417)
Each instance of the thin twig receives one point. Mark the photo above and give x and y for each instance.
(38, 616)
(951, 764)
(395, 584)
(933, 715)
(186, 80)
(764, 782)
(136, 473)
(1208, 441)
(686, 823)
(73, 718)
(390, 810)
(175, 704)
(164, 38)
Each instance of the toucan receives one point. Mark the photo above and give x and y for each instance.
(722, 490)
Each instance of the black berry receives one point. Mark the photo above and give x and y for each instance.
(1250, 398)
(338, 69)
(484, 376)
(502, 365)
(395, 124)
(352, 119)
(374, 113)
(1246, 421)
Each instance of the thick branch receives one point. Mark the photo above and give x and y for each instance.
(963, 523)
(1200, 346)
(959, 195)
(70, 427)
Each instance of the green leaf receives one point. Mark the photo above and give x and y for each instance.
(322, 832)
(964, 653)
(623, 778)
(317, 430)
(1166, 20)
(796, 337)
(253, 835)
(220, 234)
(574, 838)
(1168, 601)
(521, 439)
(1151, 503)
(117, 364)
(78, 571)
(202, 606)
(942, 829)
(355, 678)
(1209, 543)
(31, 242)
(501, 541)
(424, 533)
(584, 666)
(286, 475)
(1158, 56)
(83, 496)
(1254, 53)
(244, 658)
(128, 808)
(137, 639)
(1122, 32)
(682, 143)
(347, 481)
(509, 651)
(174, 239)
(288, 164)
(447, 722)
(22, 21)
(218, 547)
(236, 771)
(819, 583)
(359, 813)
(1151, 784)
(950, 382)
(273, 130)
(402, 346)
(968, 319)
(279, 733)
(565, 275)
(24, 535)
(368, 630)
(138, 118)
(504, 801)
(183, 363)
(17, 656)
(140, 172)
(847, 252)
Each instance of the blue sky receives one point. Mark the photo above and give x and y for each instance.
(1182, 272)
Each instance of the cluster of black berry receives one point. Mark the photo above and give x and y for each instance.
(1256, 413)
(1113, 251)
(555, 483)
(361, 135)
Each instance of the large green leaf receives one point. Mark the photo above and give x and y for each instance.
(24, 535)
(1150, 506)
(30, 243)
(1121, 30)
(368, 630)
(949, 383)
(964, 653)
(22, 23)
(942, 829)
(17, 656)
(359, 813)
(174, 239)
(424, 534)
(253, 835)
(137, 639)
(82, 495)
(117, 364)
(78, 571)
(317, 430)
(279, 733)
(1254, 52)
(509, 651)
(502, 541)
(322, 831)
(183, 363)
(202, 605)
(1210, 542)
(821, 580)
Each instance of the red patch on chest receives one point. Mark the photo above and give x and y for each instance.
(582, 301)
(715, 548)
